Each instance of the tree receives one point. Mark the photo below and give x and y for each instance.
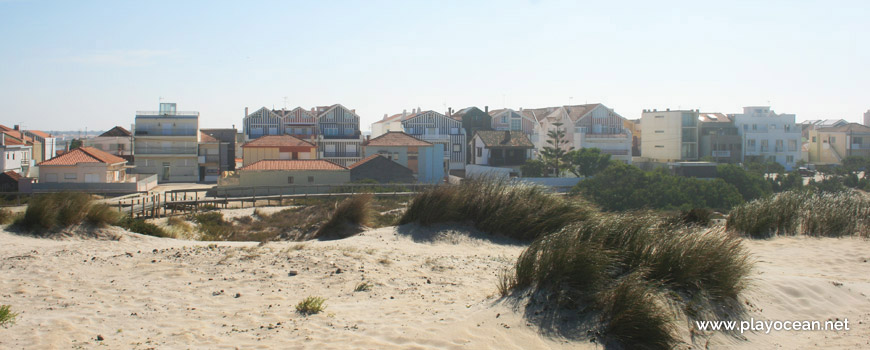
(750, 185)
(75, 143)
(554, 154)
(587, 161)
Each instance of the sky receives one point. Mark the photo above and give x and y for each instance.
(71, 65)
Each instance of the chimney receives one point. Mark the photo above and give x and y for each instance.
(404, 113)
(15, 127)
(246, 111)
(486, 109)
(507, 136)
(385, 116)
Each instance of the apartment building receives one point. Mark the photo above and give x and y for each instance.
(768, 136)
(166, 143)
(14, 156)
(44, 145)
(718, 138)
(831, 145)
(298, 122)
(219, 152)
(670, 135)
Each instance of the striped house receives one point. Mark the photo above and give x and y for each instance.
(432, 127)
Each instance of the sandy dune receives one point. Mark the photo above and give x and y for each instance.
(431, 289)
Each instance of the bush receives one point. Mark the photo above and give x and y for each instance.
(349, 214)
(311, 305)
(102, 215)
(7, 317)
(516, 210)
(64, 209)
(811, 213)
(142, 227)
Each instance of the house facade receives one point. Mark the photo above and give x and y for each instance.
(281, 176)
(45, 145)
(339, 139)
(277, 147)
(718, 138)
(425, 159)
(432, 127)
(297, 122)
(585, 126)
(90, 170)
(501, 148)
(166, 143)
(14, 156)
(117, 141)
(226, 139)
(670, 135)
(831, 145)
(769, 136)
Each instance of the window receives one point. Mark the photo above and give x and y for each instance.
(660, 131)
(120, 146)
(814, 139)
(765, 146)
(410, 130)
(396, 156)
(311, 179)
(480, 152)
(348, 131)
(504, 119)
(789, 159)
(516, 124)
(745, 127)
(70, 176)
(454, 131)
(754, 127)
(772, 126)
(792, 145)
(660, 117)
(289, 179)
(750, 145)
(457, 147)
(660, 146)
(779, 144)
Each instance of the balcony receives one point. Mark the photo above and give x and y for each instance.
(209, 158)
(605, 136)
(860, 146)
(721, 154)
(165, 132)
(166, 150)
(433, 137)
(615, 152)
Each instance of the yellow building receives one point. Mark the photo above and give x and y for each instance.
(277, 147)
(669, 136)
(831, 145)
(271, 176)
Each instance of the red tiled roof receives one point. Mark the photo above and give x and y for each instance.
(302, 164)
(18, 135)
(5, 128)
(364, 160)
(117, 131)
(84, 155)
(203, 137)
(13, 175)
(13, 142)
(39, 133)
(396, 138)
(278, 141)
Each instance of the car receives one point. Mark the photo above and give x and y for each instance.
(806, 172)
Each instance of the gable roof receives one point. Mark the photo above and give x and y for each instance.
(504, 139)
(41, 134)
(302, 164)
(364, 160)
(11, 174)
(278, 141)
(84, 155)
(396, 138)
(116, 132)
(206, 138)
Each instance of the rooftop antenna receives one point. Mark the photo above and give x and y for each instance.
(285, 102)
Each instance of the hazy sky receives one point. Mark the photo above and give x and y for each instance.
(76, 64)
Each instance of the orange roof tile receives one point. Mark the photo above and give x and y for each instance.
(83, 155)
(396, 138)
(283, 164)
(278, 141)
(39, 133)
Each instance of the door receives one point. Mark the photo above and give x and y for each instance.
(165, 176)
(202, 174)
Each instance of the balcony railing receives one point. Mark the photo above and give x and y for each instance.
(209, 158)
(605, 136)
(615, 152)
(168, 114)
(165, 132)
(339, 154)
(722, 154)
(432, 136)
(860, 146)
(166, 150)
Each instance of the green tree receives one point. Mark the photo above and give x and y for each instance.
(75, 143)
(587, 161)
(750, 185)
(554, 155)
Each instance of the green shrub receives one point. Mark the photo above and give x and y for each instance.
(516, 210)
(142, 227)
(7, 317)
(311, 305)
(57, 210)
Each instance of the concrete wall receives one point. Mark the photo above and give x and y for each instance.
(111, 144)
(661, 135)
(832, 147)
(759, 124)
(137, 183)
(268, 182)
(430, 160)
(181, 168)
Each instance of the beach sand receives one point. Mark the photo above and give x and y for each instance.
(431, 288)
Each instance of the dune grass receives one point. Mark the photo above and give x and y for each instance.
(803, 212)
(65, 209)
(6, 216)
(142, 227)
(348, 214)
(517, 210)
(311, 305)
(7, 317)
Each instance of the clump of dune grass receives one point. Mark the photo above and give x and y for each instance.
(363, 287)
(142, 227)
(803, 212)
(311, 305)
(65, 209)
(213, 227)
(7, 317)
(348, 215)
(517, 210)
(622, 266)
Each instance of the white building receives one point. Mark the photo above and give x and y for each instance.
(586, 126)
(117, 141)
(768, 136)
(432, 127)
(14, 156)
(166, 143)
